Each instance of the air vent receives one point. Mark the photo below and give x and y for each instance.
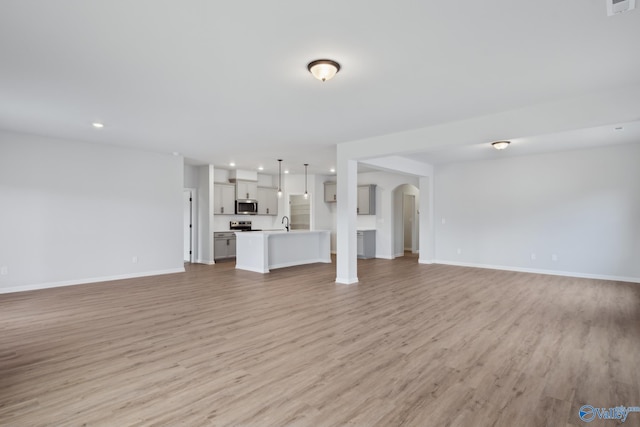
(615, 7)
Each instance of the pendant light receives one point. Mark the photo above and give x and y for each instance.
(306, 195)
(279, 177)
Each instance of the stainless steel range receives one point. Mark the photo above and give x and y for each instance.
(241, 226)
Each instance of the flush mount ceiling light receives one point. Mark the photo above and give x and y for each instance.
(500, 145)
(323, 69)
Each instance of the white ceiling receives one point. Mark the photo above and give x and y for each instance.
(227, 81)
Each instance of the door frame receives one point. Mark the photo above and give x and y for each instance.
(192, 237)
(413, 218)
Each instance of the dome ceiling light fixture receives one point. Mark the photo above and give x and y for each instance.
(323, 69)
(500, 145)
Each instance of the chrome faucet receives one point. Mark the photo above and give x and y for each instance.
(287, 225)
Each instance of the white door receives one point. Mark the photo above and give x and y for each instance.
(188, 226)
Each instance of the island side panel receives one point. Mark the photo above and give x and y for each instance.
(296, 248)
(251, 252)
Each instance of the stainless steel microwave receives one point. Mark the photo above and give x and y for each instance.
(246, 207)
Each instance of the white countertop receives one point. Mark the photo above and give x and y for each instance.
(272, 232)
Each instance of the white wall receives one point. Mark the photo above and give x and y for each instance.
(76, 212)
(190, 176)
(384, 219)
(582, 206)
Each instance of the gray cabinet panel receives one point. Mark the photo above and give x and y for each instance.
(224, 245)
(330, 192)
(367, 199)
(366, 244)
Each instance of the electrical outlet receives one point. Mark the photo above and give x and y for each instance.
(554, 257)
(134, 260)
(444, 221)
(533, 257)
(4, 270)
(459, 251)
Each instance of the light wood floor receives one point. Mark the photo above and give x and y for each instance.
(411, 344)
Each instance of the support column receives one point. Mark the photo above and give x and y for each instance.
(205, 253)
(346, 224)
(427, 236)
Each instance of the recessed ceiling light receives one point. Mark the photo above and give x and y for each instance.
(97, 125)
(332, 170)
(287, 171)
(175, 153)
(260, 168)
(232, 164)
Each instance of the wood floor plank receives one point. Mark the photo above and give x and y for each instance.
(410, 344)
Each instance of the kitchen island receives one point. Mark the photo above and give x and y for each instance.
(261, 251)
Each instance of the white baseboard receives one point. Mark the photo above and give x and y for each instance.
(201, 261)
(295, 263)
(87, 280)
(342, 281)
(540, 271)
(425, 261)
(253, 269)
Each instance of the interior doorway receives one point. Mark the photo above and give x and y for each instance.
(299, 212)
(406, 199)
(409, 222)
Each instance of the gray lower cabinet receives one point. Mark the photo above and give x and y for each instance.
(224, 245)
(366, 244)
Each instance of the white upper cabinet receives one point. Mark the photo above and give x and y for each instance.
(224, 200)
(267, 201)
(246, 190)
